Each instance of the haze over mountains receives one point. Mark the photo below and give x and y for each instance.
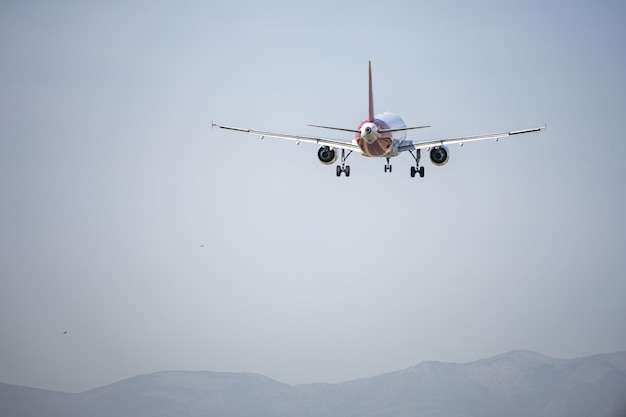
(518, 383)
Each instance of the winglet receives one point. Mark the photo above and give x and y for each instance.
(371, 95)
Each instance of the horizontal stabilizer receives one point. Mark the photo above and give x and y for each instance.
(400, 129)
(336, 128)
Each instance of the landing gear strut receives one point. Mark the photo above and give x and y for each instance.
(417, 169)
(388, 166)
(343, 167)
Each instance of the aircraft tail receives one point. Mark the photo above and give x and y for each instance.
(371, 95)
(370, 116)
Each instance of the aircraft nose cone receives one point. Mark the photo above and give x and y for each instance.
(369, 132)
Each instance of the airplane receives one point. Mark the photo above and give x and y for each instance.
(380, 136)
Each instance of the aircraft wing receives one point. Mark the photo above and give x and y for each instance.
(296, 138)
(462, 140)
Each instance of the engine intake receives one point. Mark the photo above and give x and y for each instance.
(439, 155)
(327, 155)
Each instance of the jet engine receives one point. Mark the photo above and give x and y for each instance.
(439, 155)
(327, 155)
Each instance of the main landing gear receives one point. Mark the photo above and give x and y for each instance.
(417, 169)
(343, 167)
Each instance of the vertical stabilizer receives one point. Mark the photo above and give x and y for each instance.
(371, 95)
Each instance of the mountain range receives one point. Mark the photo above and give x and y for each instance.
(515, 384)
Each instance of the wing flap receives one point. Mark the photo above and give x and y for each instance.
(464, 139)
(296, 138)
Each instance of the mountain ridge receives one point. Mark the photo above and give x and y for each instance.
(517, 383)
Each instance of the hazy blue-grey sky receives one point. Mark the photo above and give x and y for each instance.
(159, 244)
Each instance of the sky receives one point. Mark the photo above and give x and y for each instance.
(159, 243)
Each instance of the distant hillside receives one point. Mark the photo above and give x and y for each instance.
(519, 383)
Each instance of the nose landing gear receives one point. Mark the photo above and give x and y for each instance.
(388, 166)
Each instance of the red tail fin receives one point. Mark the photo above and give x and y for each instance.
(371, 109)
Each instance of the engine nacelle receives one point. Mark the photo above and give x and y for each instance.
(439, 155)
(327, 155)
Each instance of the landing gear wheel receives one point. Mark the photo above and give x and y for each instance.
(417, 169)
(343, 167)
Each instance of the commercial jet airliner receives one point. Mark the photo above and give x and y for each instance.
(380, 136)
